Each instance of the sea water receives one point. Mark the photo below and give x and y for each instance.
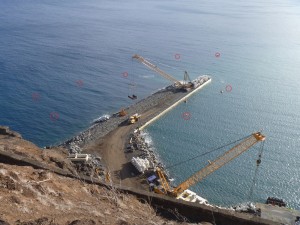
(64, 64)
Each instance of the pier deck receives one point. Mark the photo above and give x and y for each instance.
(278, 214)
(108, 139)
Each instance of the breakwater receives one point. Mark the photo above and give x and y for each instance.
(175, 104)
(151, 108)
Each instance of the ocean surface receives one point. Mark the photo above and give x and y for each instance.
(65, 63)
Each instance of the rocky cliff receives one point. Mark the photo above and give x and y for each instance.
(31, 192)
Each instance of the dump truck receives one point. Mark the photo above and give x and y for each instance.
(134, 118)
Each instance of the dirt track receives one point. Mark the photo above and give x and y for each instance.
(111, 146)
(111, 149)
(108, 139)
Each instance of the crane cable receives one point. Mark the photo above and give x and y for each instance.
(132, 85)
(213, 150)
(258, 161)
(156, 62)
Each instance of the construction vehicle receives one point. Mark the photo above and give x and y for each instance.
(122, 112)
(186, 85)
(134, 118)
(233, 153)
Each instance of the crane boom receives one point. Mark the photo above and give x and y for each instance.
(186, 77)
(165, 184)
(156, 69)
(219, 162)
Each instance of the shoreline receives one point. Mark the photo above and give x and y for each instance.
(174, 105)
(103, 128)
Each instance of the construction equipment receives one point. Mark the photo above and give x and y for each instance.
(134, 118)
(122, 112)
(186, 77)
(79, 157)
(184, 86)
(210, 168)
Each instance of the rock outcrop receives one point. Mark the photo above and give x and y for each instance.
(35, 196)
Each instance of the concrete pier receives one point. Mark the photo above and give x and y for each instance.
(175, 104)
(278, 214)
(150, 109)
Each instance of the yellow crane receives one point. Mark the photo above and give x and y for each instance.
(177, 83)
(233, 153)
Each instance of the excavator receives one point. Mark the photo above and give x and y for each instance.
(233, 153)
(122, 112)
(185, 86)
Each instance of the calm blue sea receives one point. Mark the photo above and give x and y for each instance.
(62, 65)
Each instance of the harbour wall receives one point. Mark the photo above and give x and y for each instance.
(173, 105)
(164, 99)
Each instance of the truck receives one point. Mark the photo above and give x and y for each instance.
(134, 118)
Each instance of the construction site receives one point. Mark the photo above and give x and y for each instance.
(129, 162)
(113, 153)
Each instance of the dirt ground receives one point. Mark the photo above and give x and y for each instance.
(30, 196)
(111, 149)
(108, 139)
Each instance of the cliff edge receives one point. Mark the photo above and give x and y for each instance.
(31, 194)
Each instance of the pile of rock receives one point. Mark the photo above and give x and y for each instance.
(73, 148)
(93, 167)
(247, 207)
(140, 164)
(142, 150)
(5, 131)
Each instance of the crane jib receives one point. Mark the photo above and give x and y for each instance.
(220, 161)
(156, 69)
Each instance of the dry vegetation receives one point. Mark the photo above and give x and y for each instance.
(31, 196)
(28, 194)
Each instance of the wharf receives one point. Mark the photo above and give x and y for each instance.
(108, 139)
(278, 214)
(188, 94)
